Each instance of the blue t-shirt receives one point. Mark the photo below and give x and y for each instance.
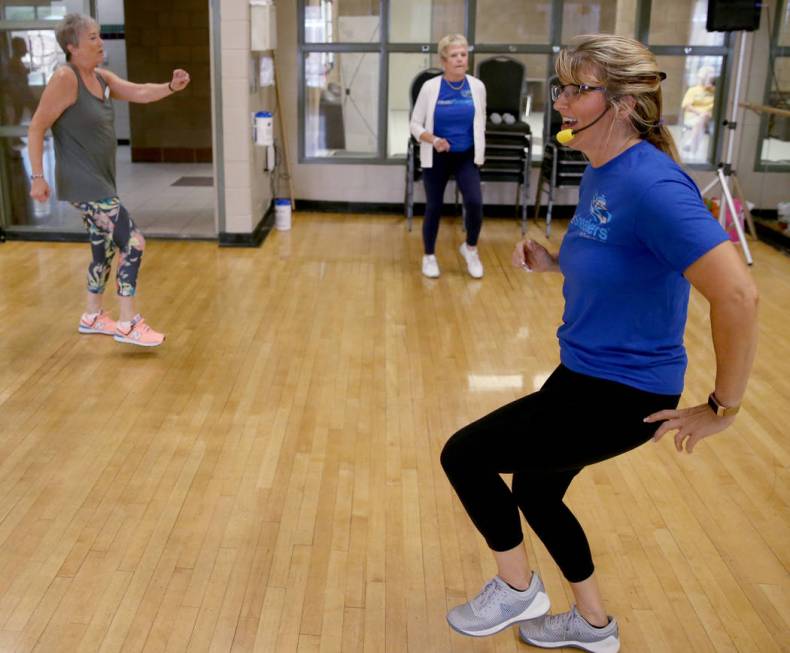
(639, 224)
(454, 116)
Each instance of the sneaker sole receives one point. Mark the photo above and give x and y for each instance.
(130, 341)
(540, 605)
(608, 645)
(89, 330)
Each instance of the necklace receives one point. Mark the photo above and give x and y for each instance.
(455, 88)
(628, 142)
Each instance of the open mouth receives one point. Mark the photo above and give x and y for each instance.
(568, 123)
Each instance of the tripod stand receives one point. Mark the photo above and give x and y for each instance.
(725, 173)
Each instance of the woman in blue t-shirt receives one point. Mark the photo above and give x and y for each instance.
(639, 238)
(449, 120)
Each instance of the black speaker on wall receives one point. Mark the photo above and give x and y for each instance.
(733, 15)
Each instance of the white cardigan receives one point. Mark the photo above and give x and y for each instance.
(422, 117)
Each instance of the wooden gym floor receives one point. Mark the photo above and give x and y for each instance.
(268, 480)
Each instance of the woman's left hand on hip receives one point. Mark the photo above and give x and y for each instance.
(692, 425)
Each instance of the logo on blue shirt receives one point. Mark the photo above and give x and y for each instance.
(596, 224)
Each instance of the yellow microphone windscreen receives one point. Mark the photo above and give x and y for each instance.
(565, 136)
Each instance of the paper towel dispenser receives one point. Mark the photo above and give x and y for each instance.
(263, 25)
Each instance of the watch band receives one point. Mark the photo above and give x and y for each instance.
(720, 410)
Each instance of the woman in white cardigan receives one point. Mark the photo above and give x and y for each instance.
(449, 120)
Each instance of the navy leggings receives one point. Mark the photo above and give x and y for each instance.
(544, 440)
(467, 175)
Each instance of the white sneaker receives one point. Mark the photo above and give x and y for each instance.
(473, 264)
(430, 267)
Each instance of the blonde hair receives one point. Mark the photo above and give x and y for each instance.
(69, 29)
(626, 68)
(446, 42)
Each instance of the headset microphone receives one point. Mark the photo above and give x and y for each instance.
(567, 135)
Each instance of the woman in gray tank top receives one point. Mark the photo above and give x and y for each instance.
(76, 105)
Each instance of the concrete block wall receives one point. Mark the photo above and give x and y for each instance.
(247, 194)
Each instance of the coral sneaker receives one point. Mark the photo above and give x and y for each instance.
(137, 332)
(100, 323)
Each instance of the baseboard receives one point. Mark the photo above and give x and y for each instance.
(450, 209)
(38, 235)
(79, 237)
(171, 154)
(254, 239)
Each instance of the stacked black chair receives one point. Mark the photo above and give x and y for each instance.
(508, 146)
(562, 166)
(413, 169)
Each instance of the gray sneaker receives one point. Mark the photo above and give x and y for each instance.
(570, 629)
(498, 606)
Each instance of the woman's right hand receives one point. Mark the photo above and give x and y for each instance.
(441, 144)
(533, 257)
(39, 190)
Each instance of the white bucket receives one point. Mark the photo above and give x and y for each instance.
(282, 214)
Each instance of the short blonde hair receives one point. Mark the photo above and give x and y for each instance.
(447, 42)
(626, 68)
(69, 29)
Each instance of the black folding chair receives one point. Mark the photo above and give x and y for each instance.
(562, 166)
(508, 146)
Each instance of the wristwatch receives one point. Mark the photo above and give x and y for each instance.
(718, 409)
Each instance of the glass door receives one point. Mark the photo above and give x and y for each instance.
(29, 55)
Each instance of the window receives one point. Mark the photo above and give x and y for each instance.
(691, 95)
(403, 67)
(341, 21)
(513, 22)
(18, 10)
(341, 104)
(694, 61)
(28, 59)
(593, 16)
(774, 153)
(358, 59)
(681, 22)
(425, 21)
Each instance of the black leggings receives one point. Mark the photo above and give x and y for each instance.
(544, 440)
(467, 176)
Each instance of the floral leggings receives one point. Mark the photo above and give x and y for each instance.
(109, 227)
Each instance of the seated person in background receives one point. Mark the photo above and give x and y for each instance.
(698, 109)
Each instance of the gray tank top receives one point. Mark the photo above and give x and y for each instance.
(85, 145)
